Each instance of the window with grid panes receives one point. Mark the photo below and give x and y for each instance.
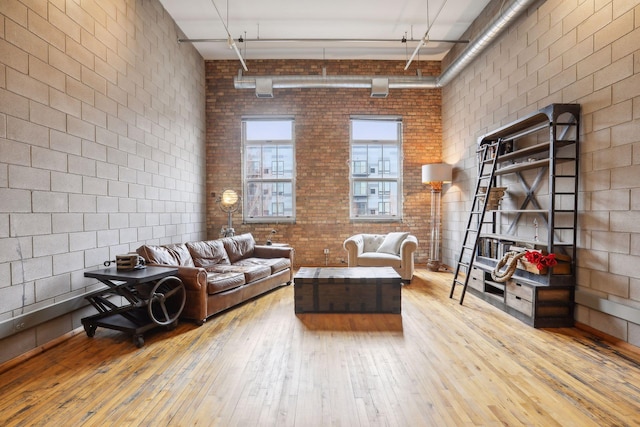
(268, 169)
(376, 168)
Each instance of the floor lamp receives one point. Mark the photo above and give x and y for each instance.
(229, 202)
(434, 175)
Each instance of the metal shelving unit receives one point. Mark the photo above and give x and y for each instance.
(537, 159)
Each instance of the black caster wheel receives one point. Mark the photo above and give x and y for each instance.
(138, 340)
(90, 330)
(171, 326)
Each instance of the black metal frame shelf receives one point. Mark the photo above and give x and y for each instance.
(504, 155)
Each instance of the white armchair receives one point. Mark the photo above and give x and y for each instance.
(383, 250)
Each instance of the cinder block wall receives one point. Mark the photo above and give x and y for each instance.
(322, 150)
(102, 128)
(571, 51)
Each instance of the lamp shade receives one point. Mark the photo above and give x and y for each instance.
(229, 198)
(436, 172)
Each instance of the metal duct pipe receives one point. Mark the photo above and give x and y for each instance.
(481, 42)
(335, 82)
(475, 48)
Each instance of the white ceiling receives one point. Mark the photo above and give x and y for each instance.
(324, 19)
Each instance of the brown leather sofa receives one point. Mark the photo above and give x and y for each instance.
(218, 274)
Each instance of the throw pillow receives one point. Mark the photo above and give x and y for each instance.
(392, 242)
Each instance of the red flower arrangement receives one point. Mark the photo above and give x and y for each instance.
(539, 260)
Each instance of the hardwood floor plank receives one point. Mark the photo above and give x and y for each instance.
(259, 364)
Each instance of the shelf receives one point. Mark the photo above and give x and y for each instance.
(514, 211)
(517, 167)
(525, 152)
(539, 143)
(511, 238)
(534, 149)
(521, 276)
(531, 121)
(496, 285)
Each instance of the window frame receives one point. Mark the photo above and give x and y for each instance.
(377, 181)
(277, 176)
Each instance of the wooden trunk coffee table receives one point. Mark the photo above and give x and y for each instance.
(347, 290)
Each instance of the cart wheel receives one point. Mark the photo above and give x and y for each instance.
(171, 326)
(90, 330)
(166, 300)
(138, 340)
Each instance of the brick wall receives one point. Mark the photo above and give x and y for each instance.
(585, 52)
(101, 147)
(322, 150)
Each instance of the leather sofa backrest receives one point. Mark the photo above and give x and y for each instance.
(239, 247)
(173, 254)
(208, 253)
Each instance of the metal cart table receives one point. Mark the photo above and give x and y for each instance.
(151, 297)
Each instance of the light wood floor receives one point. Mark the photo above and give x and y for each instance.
(437, 364)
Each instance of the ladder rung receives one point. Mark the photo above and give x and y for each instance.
(565, 193)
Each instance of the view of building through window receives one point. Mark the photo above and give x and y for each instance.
(376, 176)
(269, 169)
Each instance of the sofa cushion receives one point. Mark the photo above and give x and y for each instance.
(392, 242)
(208, 253)
(174, 254)
(219, 282)
(371, 242)
(251, 272)
(275, 264)
(239, 247)
(379, 259)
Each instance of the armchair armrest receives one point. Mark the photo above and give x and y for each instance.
(354, 246)
(407, 263)
(408, 246)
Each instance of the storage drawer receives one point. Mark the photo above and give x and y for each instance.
(476, 279)
(550, 294)
(520, 304)
(553, 311)
(520, 290)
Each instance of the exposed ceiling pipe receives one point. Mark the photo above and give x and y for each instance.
(475, 48)
(311, 40)
(334, 82)
(480, 43)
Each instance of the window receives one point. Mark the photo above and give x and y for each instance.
(269, 169)
(376, 168)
